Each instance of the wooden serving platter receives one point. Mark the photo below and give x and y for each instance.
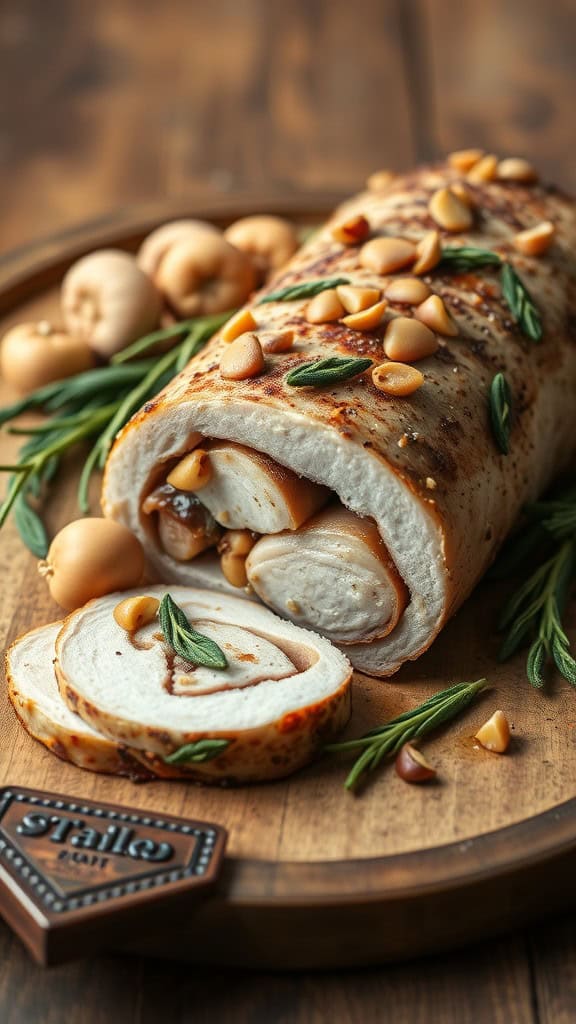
(315, 876)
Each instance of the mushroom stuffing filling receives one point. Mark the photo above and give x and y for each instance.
(286, 539)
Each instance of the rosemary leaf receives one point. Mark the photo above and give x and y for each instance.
(520, 303)
(185, 640)
(535, 664)
(204, 326)
(149, 340)
(198, 752)
(563, 660)
(30, 527)
(467, 257)
(500, 410)
(306, 290)
(535, 612)
(326, 371)
(387, 740)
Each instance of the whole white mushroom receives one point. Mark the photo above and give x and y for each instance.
(158, 242)
(108, 301)
(204, 275)
(269, 241)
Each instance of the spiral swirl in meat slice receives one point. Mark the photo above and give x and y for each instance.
(284, 693)
(333, 575)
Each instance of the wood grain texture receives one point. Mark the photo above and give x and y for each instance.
(502, 76)
(479, 986)
(141, 101)
(128, 100)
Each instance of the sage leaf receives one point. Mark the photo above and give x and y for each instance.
(198, 752)
(326, 371)
(305, 290)
(185, 640)
(467, 257)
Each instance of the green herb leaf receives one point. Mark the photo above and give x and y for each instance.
(326, 371)
(535, 663)
(306, 290)
(535, 612)
(30, 527)
(387, 740)
(148, 342)
(563, 660)
(500, 411)
(520, 303)
(185, 640)
(204, 325)
(467, 257)
(198, 752)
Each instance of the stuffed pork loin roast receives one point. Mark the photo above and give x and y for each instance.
(367, 508)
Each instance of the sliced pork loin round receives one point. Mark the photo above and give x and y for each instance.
(425, 468)
(33, 690)
(284, 693)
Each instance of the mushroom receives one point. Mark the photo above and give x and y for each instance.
(156, 245)
(108, 301)
(203, 275)
(269, 241)
(33, 354)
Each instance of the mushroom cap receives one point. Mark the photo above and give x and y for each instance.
(31, 356)
(269, 241)
(108, 301)
(203, 275)
(158, 242)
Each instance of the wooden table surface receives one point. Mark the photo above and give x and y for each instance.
(109, 104)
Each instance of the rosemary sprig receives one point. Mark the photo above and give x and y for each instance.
(198, 752)
(306, 290)
(500, 404)
(467, 257)
(533, 614)
(93, 404)
(387, 740)
(74, 392)
(520, 303)
(185, 640)
(326, 371)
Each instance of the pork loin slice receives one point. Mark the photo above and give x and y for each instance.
(33, 690)
(285, 692)
(333, 575)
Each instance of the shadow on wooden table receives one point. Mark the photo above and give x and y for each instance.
(522, 979)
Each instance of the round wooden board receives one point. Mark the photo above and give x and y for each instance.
(315, 876)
